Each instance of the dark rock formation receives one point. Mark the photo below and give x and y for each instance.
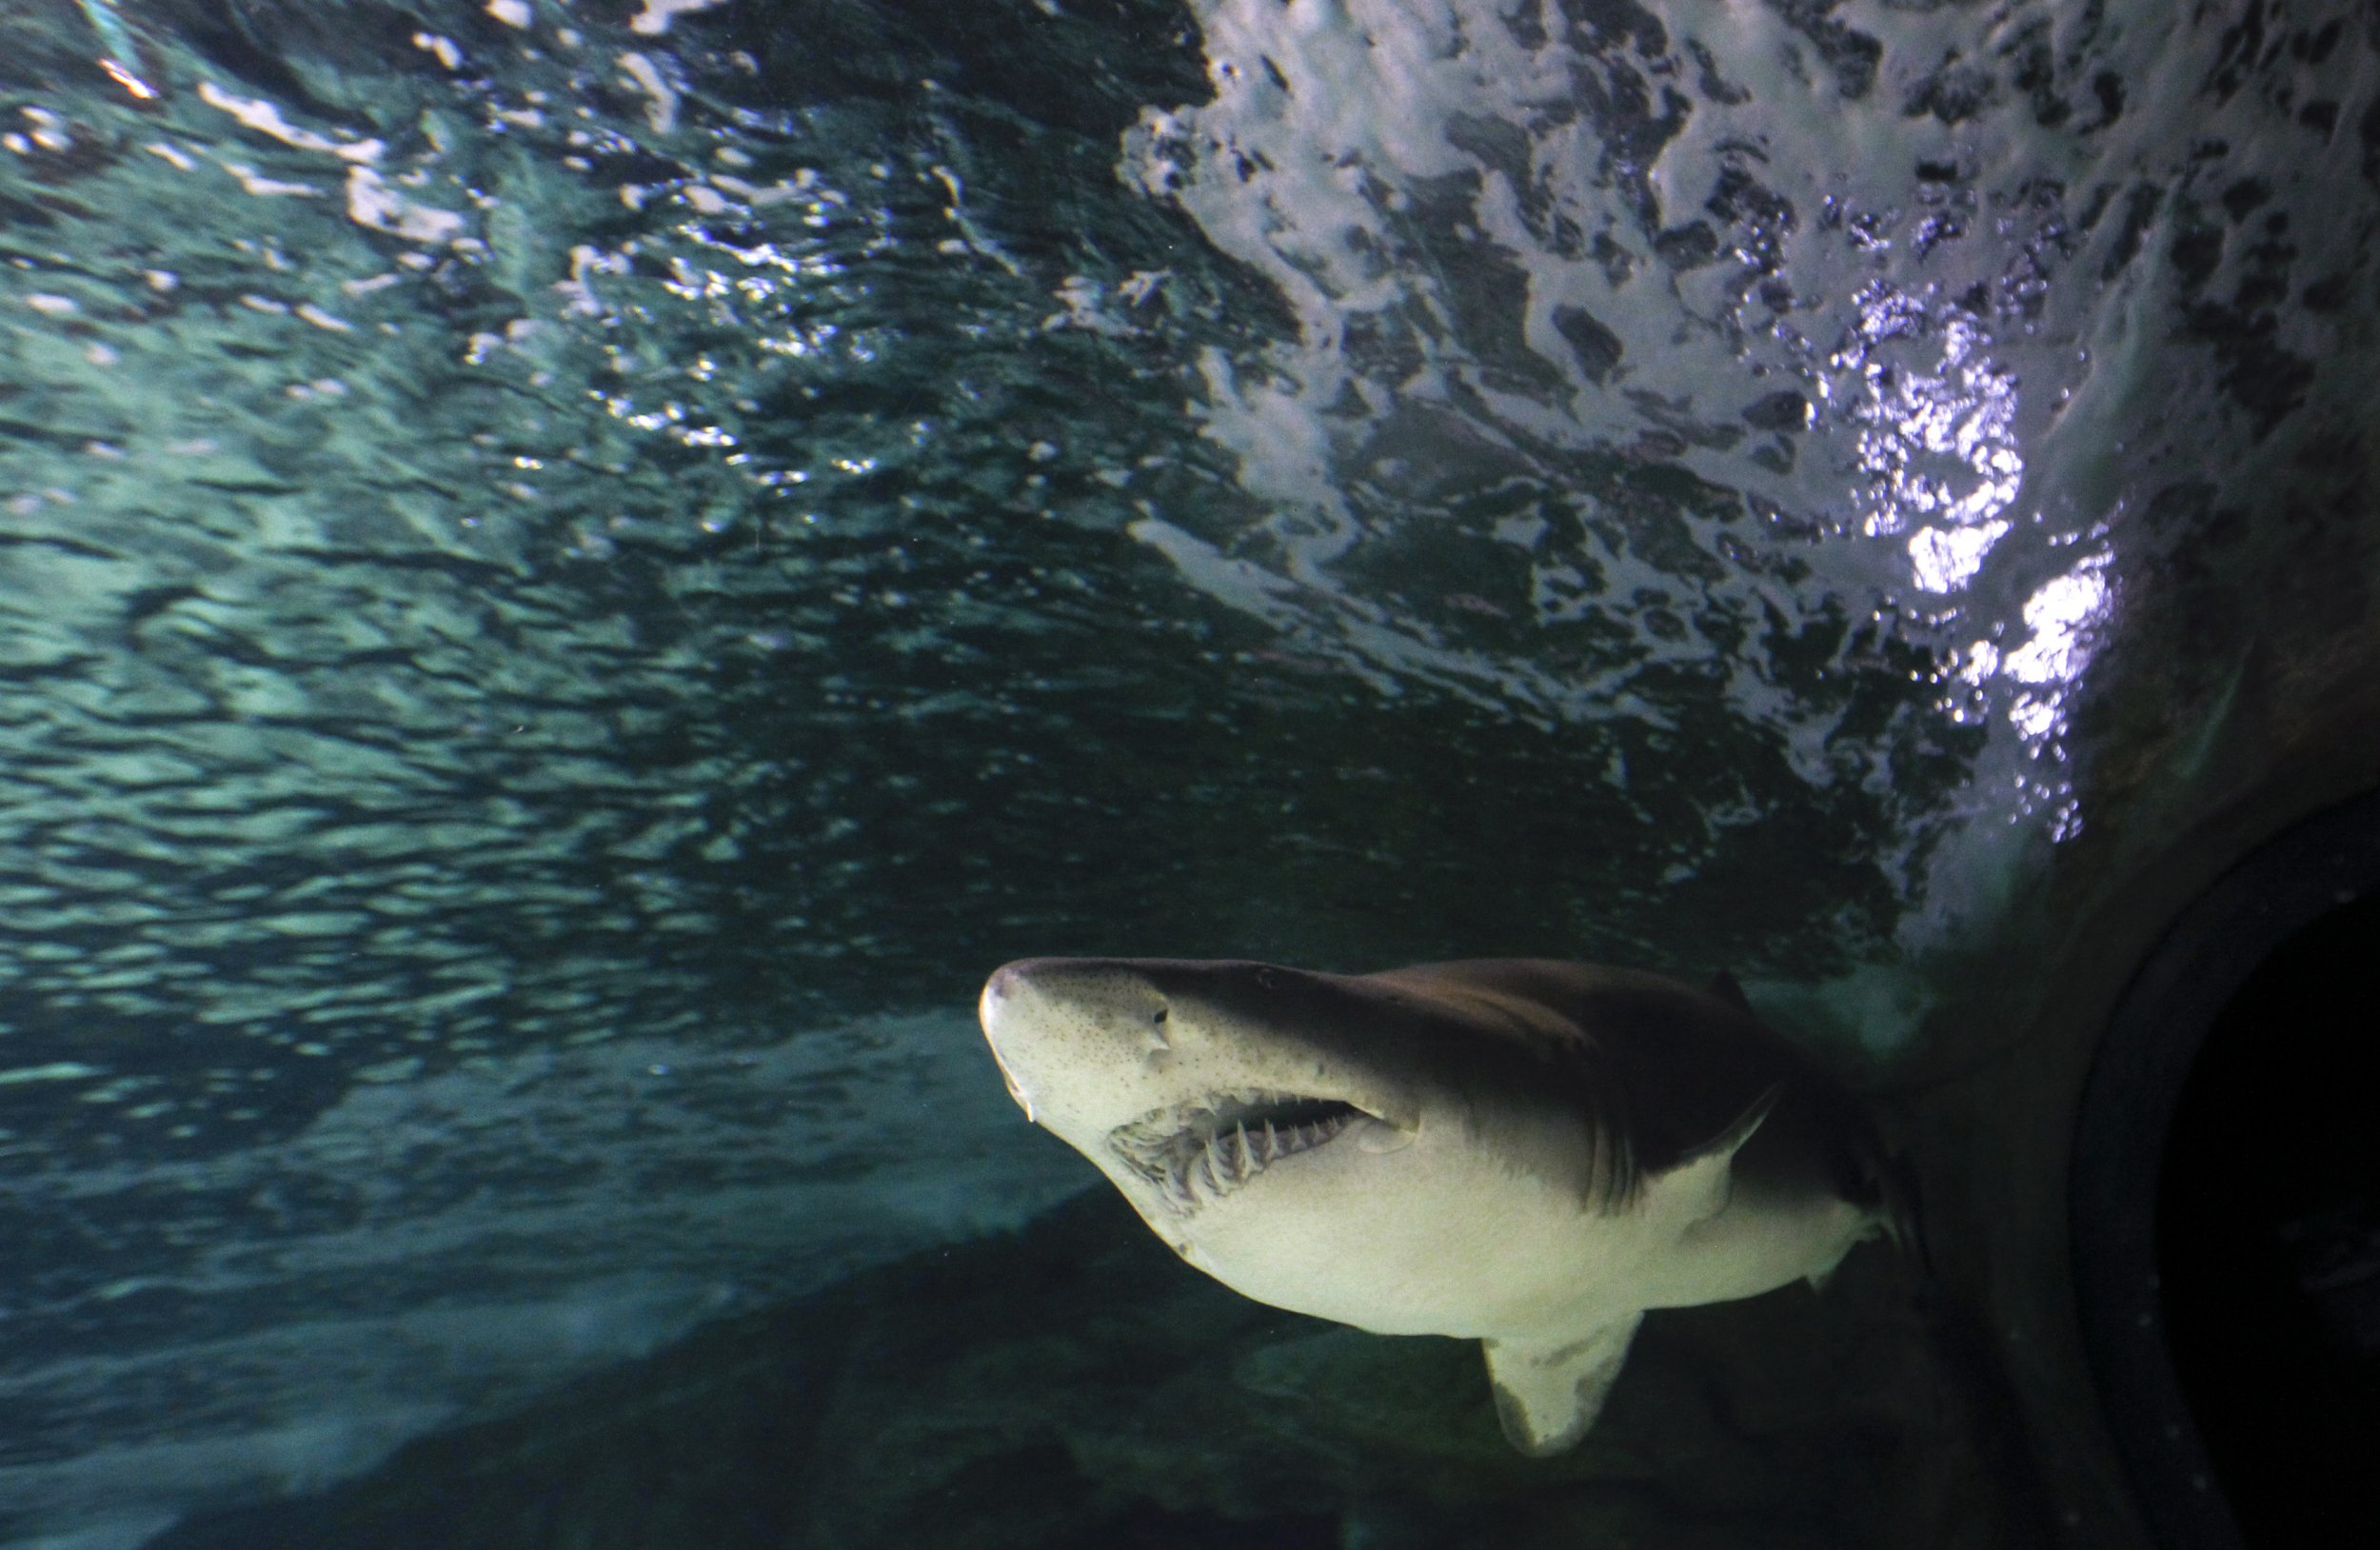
(1071, 1385)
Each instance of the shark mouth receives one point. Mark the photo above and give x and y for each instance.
(1195, 1153)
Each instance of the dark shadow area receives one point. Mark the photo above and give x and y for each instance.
(2268, 1241)
(2226, 1203)
(1073, 1387)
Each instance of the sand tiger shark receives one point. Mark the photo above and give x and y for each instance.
(1527, 1153)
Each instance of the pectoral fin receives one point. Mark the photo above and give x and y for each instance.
(1700, 1187)
(1548, 1393)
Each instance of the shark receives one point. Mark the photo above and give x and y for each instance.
(1529, 1153)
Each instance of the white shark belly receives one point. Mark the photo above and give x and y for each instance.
(1491, 1263)
(1756, 1246)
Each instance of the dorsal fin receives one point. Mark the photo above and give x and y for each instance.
(1724, 986)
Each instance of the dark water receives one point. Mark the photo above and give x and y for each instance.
(570, 577)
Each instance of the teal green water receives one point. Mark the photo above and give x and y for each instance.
(571, 577)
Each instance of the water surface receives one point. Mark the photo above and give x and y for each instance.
(572, 574)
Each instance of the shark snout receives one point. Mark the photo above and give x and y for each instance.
(1091, 1046)
(1084, 1042)
(994, 1009)
(1096, 1043)
(996, 993)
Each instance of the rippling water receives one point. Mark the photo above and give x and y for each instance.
(571, 574)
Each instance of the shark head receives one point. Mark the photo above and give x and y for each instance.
(1328, 1143)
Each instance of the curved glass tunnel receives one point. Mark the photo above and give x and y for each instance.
(2224, 1201)
(2288, 1248)
(574, 573)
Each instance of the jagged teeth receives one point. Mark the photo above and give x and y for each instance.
(1190, 1163)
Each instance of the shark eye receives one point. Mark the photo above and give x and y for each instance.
(1159, 1016)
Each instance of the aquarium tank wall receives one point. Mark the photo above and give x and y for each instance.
(576, 574)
